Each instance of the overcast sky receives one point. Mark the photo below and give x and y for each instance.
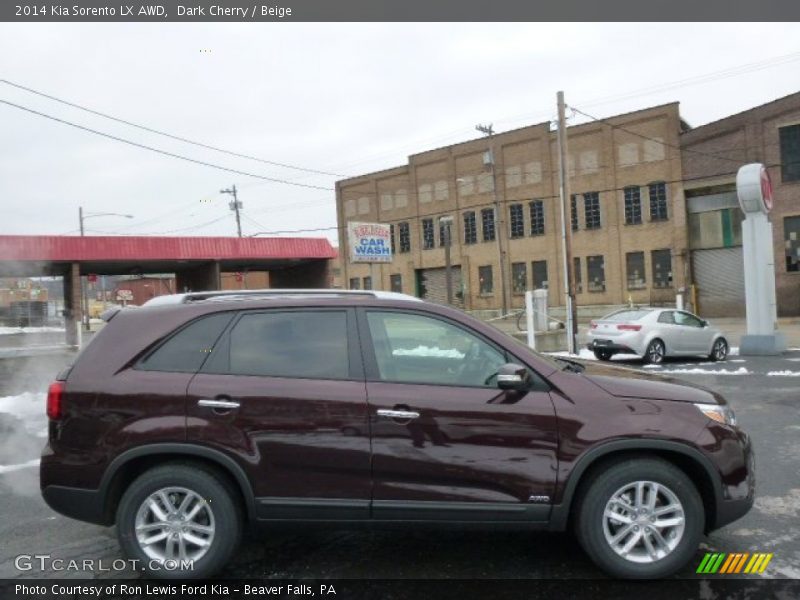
(343, 98)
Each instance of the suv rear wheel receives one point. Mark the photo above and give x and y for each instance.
(640, 519)
(176, 513)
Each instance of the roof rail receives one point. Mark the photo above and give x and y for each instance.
(232, 294)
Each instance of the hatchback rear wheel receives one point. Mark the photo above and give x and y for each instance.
(655, 352)
(640, 518)
(179, 520)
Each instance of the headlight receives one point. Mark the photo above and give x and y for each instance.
(717, 412)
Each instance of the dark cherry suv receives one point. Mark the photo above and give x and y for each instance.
(195, 414)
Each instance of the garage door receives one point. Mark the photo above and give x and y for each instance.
(719, 277)
(432, 285)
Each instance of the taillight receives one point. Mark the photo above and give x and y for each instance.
(626, 327)
(592, 324)
(55, 404)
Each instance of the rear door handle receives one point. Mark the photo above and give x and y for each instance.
(218, 404)
(397, 414)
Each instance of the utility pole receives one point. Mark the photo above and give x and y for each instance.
(448, 275)
(235, 206)
(498, 216)
(566, 232)
(84, 286)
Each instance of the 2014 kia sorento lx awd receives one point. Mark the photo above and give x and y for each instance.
(188, 418)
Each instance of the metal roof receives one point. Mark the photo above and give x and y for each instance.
(110, 248)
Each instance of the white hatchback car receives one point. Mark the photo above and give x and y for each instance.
(655, 333)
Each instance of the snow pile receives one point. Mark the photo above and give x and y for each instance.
(428, 351)
(783, 374)
(739, 371)
(19, 330)
(30, 409)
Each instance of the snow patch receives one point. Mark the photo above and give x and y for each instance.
(739, 371)
(25, 465)
(783, 374)
(23, 330)
(651, 367)
(788, 505)
(429, 351)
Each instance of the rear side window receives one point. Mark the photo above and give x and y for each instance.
(667, 317)
(185, 351)
(627, 315)
(304, 344)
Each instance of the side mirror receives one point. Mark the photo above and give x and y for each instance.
(512, 376)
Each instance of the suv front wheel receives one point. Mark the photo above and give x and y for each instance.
(640, 519)
(179, 520)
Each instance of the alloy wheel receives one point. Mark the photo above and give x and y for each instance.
(720, 349)
(643, 521)
(655, 352)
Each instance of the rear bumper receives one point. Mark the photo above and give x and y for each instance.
(612, 347)
(77, 503)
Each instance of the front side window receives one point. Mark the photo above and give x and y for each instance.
(539, 273)
(517, 216)
(405, 237)
(519, 277)
(658, 201)
(662, 268)
(427, 234)
(305, 344)
(486, 285)
(537, 217)
(596, 272)
(633, 205)
(790, 152)
(487, 221)
(634, 267)
(185, 351)
(591, 209)
(470, 229)
(418, 349)
(791, 236)
(687, 319)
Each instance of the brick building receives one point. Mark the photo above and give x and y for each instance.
(712, 153)
(626, 213)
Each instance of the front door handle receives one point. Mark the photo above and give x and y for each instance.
(218, 404)
(397, 414)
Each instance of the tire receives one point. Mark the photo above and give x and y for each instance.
(719, 351)
(655, 352)
(216, 508)
(603, 354)
(596, 531)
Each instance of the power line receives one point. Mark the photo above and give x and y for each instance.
(164, 152)
(169, 135)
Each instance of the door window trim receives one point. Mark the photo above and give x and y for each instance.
(355, 364)
(370, 362)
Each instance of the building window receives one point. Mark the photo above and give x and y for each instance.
(537, 217)
(596, 273)
(391, 238)
(634, 267)
(405, 238)
(791, 236)
(591, 210)
(573, 211)
(658, 201)
(486, 285)
(519, 277)
(427, 234)
(576, 268)
(470, 229)
(790, 153)
(662, 268)
(517, 220)
(633, 205)
(396, 283)
(487, 221)
(355, 283)
(539, 274)
(367, 282)
(443, 226)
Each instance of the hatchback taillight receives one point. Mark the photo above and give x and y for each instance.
(55, 400)
(626, 327)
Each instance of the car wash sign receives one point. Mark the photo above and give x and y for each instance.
(369, 242)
